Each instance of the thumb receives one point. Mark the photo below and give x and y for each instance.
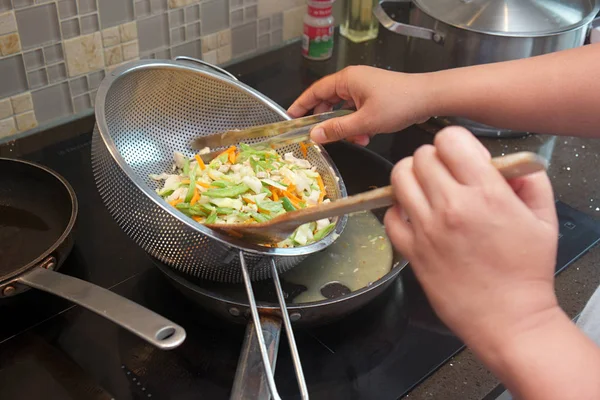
(340, 128)
(535, 191)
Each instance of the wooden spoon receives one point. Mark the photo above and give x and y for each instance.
(281, 227)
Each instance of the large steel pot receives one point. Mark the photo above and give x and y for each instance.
(456, 33)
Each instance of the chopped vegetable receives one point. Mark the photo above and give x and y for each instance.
(186, 166)
(191, 188)
(323, 232)
(274, 184)
(287, 204)
(233, 191)
(195, 197)
(200, 162)
(246, 184)
(212, 218)
(321, 188)
(303, 149)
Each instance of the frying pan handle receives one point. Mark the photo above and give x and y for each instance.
(146, 324)
(250, 382)
(207, 64)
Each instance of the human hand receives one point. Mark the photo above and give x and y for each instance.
(386, 102)
(484, 249)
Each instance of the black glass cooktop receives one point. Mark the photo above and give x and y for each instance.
(52, 350)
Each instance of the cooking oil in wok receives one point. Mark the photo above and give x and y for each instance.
(361, 255)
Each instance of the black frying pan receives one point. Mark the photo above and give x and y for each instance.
(361, 169)
(38, 209)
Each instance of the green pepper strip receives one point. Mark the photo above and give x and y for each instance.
(166, 193)
(190, 210)
(272, 207)
(259, 217)
(323, 232)
(233, 191)
(191, 187)
(186, 166)
(212, 218)
(287, 204)
(255, 165)
(207, 208)
(221, 184)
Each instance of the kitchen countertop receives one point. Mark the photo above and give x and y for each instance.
(282, 74)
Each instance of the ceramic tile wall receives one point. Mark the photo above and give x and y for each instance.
(55, 53)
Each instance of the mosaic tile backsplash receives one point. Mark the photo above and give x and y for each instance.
(54, 54)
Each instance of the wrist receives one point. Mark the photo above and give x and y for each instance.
(443, 95)
(500, 343)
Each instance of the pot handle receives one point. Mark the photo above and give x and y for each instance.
(146, 324)
(207, 64)
(405, 29)
(250, 382)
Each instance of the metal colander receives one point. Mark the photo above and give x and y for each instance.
(145, 111)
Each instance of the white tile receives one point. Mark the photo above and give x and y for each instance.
(224, 54)
(128, 31)
(84, 54)
(209, 43)
(111, 36)
(210, 57)
(8, 23)
(10, 44)
(131, 50)
(224, 37)
(26, 121)
(113, 55)
(293, 23)
(7, 127)
(5, 108)
(22, 103)
(180, 3)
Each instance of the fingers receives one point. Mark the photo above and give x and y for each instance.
(340, 128)
(331, 89)
(535, 191)
(408, 191)
(323, 108)
(361, 140)
(399, 231)
(466, 158)
(435, 179)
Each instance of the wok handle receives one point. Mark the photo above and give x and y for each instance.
(405, 29)
(146, 324)
(250, 382)
(207, 64)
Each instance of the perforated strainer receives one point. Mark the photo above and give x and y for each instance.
(145, 111)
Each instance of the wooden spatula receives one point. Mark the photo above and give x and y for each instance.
(281, 227)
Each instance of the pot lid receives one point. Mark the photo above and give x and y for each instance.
(512, 17)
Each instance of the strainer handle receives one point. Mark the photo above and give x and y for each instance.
(207, 64)
(261, 338)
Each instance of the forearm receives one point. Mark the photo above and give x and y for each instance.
(557, 93)
(554, 360)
